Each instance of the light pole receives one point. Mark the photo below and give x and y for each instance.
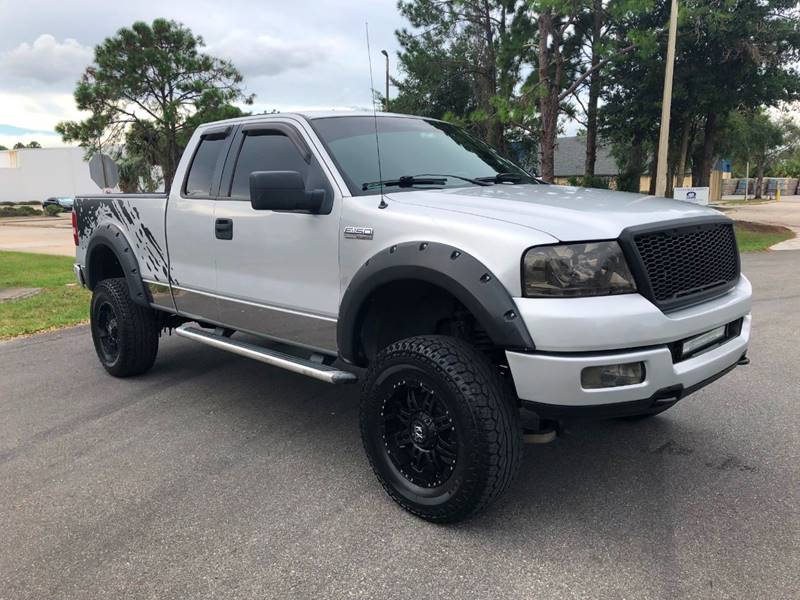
(386, 98)
(666, 105)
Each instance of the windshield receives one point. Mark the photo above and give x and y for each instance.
(410, 148)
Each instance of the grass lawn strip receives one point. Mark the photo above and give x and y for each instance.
(59, 304)
(756, 237)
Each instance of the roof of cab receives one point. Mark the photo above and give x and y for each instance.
(310, 116)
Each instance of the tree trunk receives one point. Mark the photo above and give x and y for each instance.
(594, 92)
(173, 157)
(680, 168)
(668, 193)
(759, 179)
(709, 140)
(653, 169)
(487, 76)
(548, 100)
(629, 179)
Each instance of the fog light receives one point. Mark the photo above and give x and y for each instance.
(607, 376)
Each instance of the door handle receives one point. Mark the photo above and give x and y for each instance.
(223, 229)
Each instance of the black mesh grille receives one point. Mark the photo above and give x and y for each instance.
(682, 263)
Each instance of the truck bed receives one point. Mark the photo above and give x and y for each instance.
(139, 217)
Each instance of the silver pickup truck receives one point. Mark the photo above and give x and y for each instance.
(477, 305)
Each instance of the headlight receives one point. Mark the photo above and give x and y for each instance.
(572, 270)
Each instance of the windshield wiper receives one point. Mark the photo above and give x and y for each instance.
(472, 180)
(403, 182)
(502, 178)
(421, 179)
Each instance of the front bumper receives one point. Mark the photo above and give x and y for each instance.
(553, 380)
(604, 323)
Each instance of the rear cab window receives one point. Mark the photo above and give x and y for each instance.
(205, 162)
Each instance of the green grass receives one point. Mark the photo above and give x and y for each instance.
(755, 237)
(57, 305)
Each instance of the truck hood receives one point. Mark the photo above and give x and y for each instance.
(566, 213)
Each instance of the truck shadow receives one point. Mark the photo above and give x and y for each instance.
(606, 490)
(608, 477)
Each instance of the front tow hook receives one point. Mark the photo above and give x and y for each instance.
(743, 361)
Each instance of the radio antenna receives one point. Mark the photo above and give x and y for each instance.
(374, 116)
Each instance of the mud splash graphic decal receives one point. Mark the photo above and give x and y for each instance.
(93, 212)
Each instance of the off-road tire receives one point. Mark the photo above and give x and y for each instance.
(487, 424)
(135, 329)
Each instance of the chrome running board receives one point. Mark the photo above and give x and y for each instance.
(295, 364)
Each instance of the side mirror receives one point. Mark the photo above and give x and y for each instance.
(283, 190)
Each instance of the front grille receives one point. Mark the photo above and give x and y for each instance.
(688, 263)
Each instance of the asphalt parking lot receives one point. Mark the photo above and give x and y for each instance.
(217, 477)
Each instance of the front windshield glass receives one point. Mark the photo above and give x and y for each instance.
(410, 147)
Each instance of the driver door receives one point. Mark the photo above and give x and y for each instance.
(277, 271)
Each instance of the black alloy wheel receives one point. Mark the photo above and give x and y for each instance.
(418, 433)
(108, 332)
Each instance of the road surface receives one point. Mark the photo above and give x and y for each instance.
(45, 235)
(218, 477)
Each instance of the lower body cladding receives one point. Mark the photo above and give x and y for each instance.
(569, 384)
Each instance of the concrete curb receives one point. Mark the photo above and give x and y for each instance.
(11, 294)
(792, 244)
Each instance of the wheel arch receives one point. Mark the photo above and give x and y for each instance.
(109, 244)
(440, 265)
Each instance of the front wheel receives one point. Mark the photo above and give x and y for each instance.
(125, 334)
(440, 434)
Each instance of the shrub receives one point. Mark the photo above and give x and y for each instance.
(22, 211)
(52, 210)
(25, 203)
(589, 182)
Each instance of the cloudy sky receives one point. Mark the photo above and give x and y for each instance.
(293, 54)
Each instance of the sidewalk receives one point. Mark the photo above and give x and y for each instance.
(785, 213)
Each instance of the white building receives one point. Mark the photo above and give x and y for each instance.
(39, 173)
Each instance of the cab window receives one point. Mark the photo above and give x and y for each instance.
(203, 167)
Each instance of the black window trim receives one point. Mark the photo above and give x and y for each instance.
(211, 133)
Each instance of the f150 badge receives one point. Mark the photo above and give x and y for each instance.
(358, 233)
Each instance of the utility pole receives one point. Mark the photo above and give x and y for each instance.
(666, 105)
(386, 98)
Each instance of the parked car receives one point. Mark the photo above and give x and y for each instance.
(63, 202)
(460, 290)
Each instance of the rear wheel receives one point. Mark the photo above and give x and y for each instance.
(125, 334)
(440, 434)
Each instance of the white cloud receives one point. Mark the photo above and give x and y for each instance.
(293, 55)
(46, 60)
(36, 111)
(257, 55)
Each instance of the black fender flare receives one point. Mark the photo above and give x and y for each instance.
(113, 237)
(450, 268)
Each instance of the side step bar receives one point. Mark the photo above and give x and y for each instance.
(282, 360)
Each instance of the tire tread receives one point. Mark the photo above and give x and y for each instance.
(139, 329)
(468, 372)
